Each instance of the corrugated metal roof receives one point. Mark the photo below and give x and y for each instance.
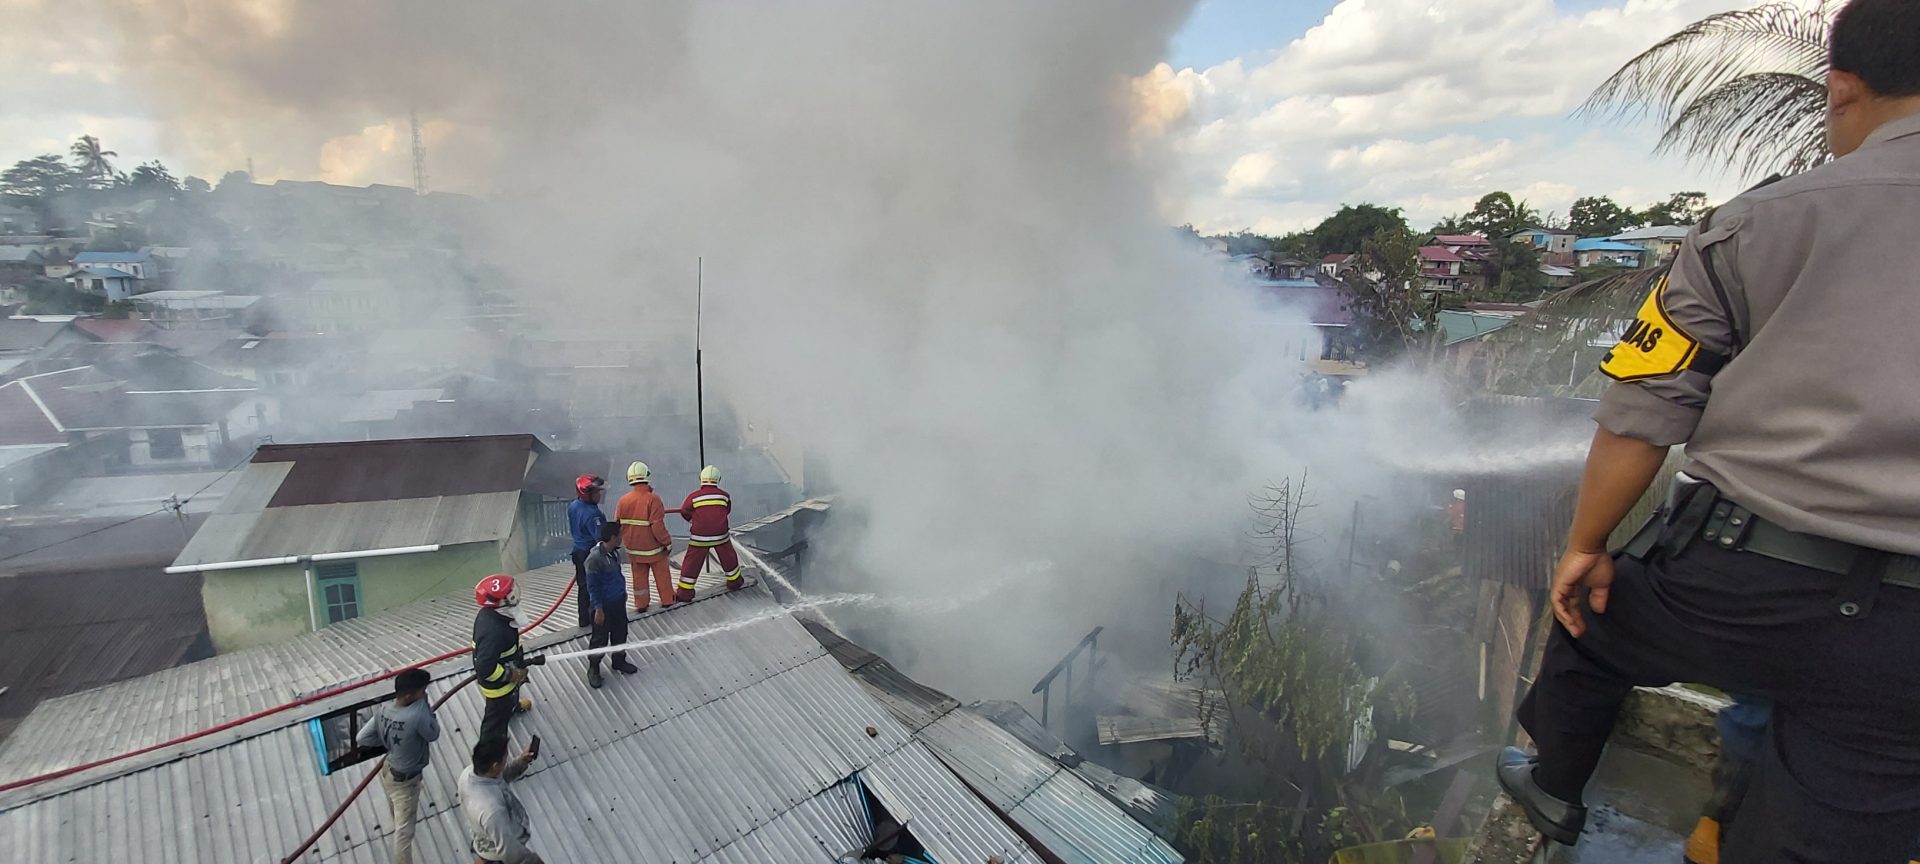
(726, 749)
(319, 528)
(342, 472)
(1056, 806)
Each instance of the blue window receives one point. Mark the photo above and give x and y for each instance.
(339, 585)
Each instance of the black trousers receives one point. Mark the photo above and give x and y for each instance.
(580, 587)
(1839, 778)
(614, 632)
(493, 721)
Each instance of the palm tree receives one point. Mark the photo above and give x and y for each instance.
(1744, 89)
(91, 160)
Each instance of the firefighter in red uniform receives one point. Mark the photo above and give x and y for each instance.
(706, 510)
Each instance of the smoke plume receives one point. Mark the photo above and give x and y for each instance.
(932, 257)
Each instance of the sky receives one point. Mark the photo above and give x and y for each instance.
(1263, 115)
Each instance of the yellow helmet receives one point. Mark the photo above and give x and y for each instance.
(638, 472)
(709, 476)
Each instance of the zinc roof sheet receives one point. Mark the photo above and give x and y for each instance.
(724, 748)
(316, 528)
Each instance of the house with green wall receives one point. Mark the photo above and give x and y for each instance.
(315, 534)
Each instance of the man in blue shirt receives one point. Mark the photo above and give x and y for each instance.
(585, 520)
(607, 589)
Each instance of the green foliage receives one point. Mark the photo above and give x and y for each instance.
(54, 297)
(1515, 271)
(1680, 208)
(1600, 216)
(1349, 229)
(91, 160)
(234, 180)
(39, 177)
(1247, 243)
(195, 186)
(1391, 318)
(1214, 830)
(1497, 216)
(1300, 245)
(154, 177)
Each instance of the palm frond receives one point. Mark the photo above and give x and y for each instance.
(1757, 124)
(1694, 80)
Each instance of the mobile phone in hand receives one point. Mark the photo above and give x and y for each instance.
(533, 747)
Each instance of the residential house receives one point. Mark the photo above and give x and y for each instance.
(17, 219)
(1601, 252)
(1662, 241)
(1440, 269)
(1463, 341)
(56, 264)
(1558, 277)
(315, 534)
(283, 361)
(1337, 263)
(115, 330)
(1327, 311)
(839, 755)
(20, 265)
(24, 340)
(174, 309)
(158, 412)
(113, 275)
(1554, 245)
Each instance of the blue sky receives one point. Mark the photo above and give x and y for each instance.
(1423, 104)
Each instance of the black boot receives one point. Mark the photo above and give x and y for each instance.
(593, 672)
(624, 666)
(1558, 820)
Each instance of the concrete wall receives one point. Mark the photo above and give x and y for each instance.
(268, 604)
(196, 444)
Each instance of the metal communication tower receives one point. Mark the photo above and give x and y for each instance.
(419, 155)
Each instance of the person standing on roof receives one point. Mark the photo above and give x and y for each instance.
(404, 728)
(584, 520)
(499, 665)
(706, 510)
(643, 531)
(607, 588)
(497, 826)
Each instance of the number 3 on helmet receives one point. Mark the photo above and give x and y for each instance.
(494, 591)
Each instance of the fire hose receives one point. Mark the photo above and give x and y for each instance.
(368, 780)
(267, 712)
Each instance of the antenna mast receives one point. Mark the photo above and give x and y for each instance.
(699, 381)
(419, 154)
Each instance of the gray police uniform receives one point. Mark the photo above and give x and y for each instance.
(1783, 348)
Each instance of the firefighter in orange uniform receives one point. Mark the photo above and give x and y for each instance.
(643, 531)
(706, 510)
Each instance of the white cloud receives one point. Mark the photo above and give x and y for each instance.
(1422, 104)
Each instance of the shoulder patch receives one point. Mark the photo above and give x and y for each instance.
(1653, 345)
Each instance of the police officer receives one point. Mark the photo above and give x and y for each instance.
(1782, 350)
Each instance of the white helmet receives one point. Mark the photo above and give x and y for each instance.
(638, 472)
(709, 476)
(1459, 494)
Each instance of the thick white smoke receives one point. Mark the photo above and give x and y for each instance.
(932, 252)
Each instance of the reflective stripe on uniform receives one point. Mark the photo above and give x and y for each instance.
(497, 692)
(710, 500)
(734, 576)
(498, 673)
(688, 586)
(707, 540)
(654, 551)
(641, 522)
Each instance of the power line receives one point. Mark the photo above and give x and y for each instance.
(84, 534)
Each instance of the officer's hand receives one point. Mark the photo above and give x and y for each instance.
(599, 617)
(1588, 573)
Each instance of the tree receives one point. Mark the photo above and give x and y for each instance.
(1391, 318)
(1454, 224)
(196, 185)
(1680, 208)
(1742, 88)
(1298, 245)
(234, 180)
(39, 177)
(1497, 216)
(90, 159)
(154, 177)
(1346, 230)
(1599, 216)
(1516, 272)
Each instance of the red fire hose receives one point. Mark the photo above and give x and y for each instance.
(304, 700)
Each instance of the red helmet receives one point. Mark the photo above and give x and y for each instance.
(494, 591)
(586, 484)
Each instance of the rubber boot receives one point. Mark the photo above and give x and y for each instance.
(524, 706)
(624, 666)
(593, 672)
(683, 595)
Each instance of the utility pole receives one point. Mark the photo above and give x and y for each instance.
(419, 154)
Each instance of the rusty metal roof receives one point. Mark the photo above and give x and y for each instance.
(349, 471)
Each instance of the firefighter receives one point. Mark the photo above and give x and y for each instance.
(643, 531)
(499, 666)
(706, 510)
(583, 522)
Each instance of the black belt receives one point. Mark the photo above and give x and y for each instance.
(405, 778)
(1729, 526)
